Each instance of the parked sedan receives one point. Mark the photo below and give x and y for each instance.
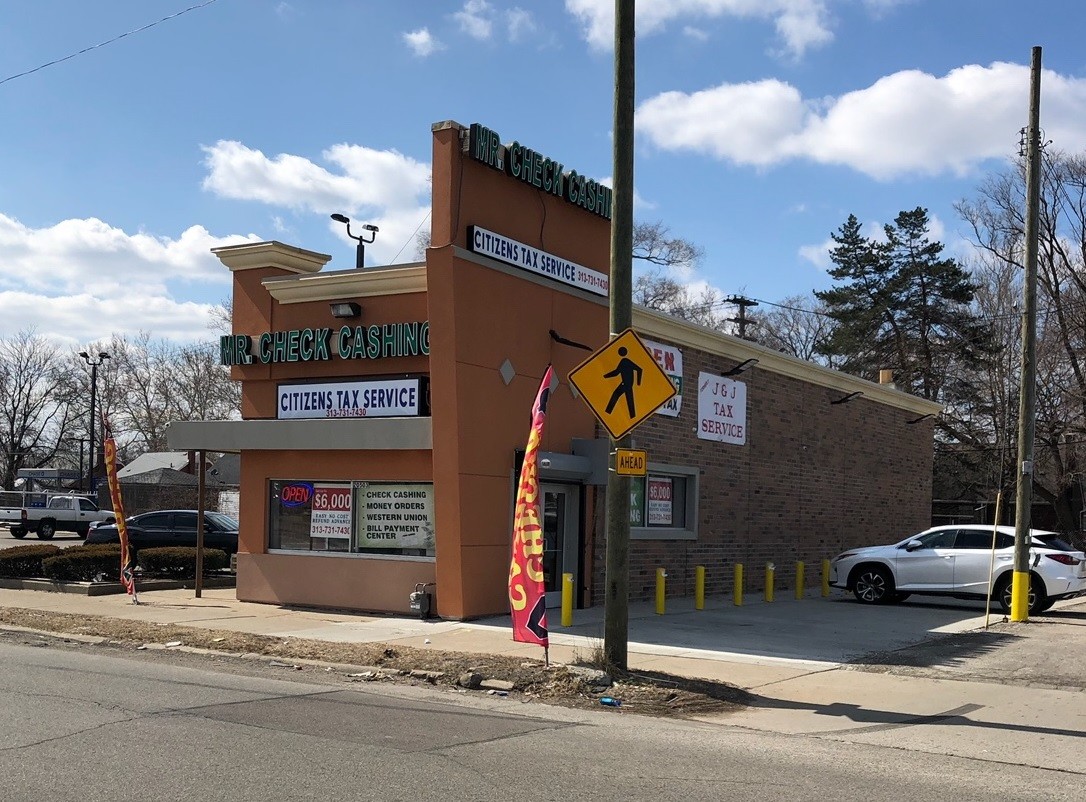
(958, 561)
(171, 528)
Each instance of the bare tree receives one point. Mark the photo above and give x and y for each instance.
(200, 388)
(797, 326)
(653, 243)
(36, 395)
(145, 403)
(657, 290)
(996, 220)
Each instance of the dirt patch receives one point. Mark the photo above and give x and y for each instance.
(646, 693)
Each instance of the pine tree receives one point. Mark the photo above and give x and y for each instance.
(900, 304)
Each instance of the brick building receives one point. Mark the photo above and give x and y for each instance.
(384, 410)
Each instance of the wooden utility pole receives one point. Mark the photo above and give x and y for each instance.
(1027, 406)
(742, 319)
(617, 579)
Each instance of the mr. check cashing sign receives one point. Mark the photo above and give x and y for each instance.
(314, 345)
(622, 384)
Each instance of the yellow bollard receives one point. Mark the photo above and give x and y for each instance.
(699, 587)
(737, 587)
(661, 576)
(770, 574)
(825, 577)
(1019, 596)
(567, 600)
(799, 580)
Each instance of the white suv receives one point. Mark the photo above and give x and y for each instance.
(958, 561)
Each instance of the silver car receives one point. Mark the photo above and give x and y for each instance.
(959, 561)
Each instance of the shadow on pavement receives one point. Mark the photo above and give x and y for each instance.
(882, 720)
(943, 651)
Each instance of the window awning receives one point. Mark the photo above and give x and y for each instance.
(339, 434)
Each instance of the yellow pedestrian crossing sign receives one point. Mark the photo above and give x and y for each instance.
(622, 384)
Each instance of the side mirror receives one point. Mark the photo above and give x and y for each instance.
(913, 545)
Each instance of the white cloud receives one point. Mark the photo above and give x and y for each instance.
(369, 178)
(286, 12)
(422, 43)
(89, 280)
(800, 24)
(818, 255)
(641, 204)
(697, 34)
(382, 187)
(476, 19)
(520, 24)
(909, 122)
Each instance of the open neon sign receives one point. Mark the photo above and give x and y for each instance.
(296, 495)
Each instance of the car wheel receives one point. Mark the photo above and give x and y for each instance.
(1038, 599)
(46, 530)
(873, 585)
(18, 532)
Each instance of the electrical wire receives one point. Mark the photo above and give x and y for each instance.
(412, 237)
(107, 42)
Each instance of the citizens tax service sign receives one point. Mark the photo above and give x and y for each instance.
(376, 398)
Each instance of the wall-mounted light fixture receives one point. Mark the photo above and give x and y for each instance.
(745, 365)
(345, 309)
(558, 338)
(922, 417)
(846, 398)
(360, 252)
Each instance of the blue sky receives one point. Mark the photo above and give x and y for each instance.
(761, 125)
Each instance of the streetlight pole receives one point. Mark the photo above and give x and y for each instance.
(94, 362)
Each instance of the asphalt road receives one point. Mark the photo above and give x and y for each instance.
(92, 723)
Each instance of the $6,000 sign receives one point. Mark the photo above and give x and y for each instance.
(331, 512)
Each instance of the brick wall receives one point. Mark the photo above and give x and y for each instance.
(812, 479)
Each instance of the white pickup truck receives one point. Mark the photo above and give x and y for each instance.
(67, 513)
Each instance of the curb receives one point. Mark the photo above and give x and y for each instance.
(111, 588)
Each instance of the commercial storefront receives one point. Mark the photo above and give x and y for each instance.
(384, 411)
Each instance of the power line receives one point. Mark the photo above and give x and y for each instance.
(107, 42)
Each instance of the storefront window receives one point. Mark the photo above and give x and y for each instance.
(662, 504)
(352, 517)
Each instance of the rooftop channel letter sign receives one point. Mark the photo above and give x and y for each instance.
(622, 384)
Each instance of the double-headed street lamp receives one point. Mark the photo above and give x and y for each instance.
(94, 362)
(360, 252)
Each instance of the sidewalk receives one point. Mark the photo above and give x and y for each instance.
(792, 654)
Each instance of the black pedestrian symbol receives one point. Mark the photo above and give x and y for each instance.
(629, 373)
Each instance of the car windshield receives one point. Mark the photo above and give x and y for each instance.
(222, 521)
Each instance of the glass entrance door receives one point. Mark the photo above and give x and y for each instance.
(560, 510)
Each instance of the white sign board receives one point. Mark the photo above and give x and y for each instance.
(395, 516)
(330, 514)
(722, 409)
(661, 501)
(670, 359)
(379, 398)
(536, 261)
